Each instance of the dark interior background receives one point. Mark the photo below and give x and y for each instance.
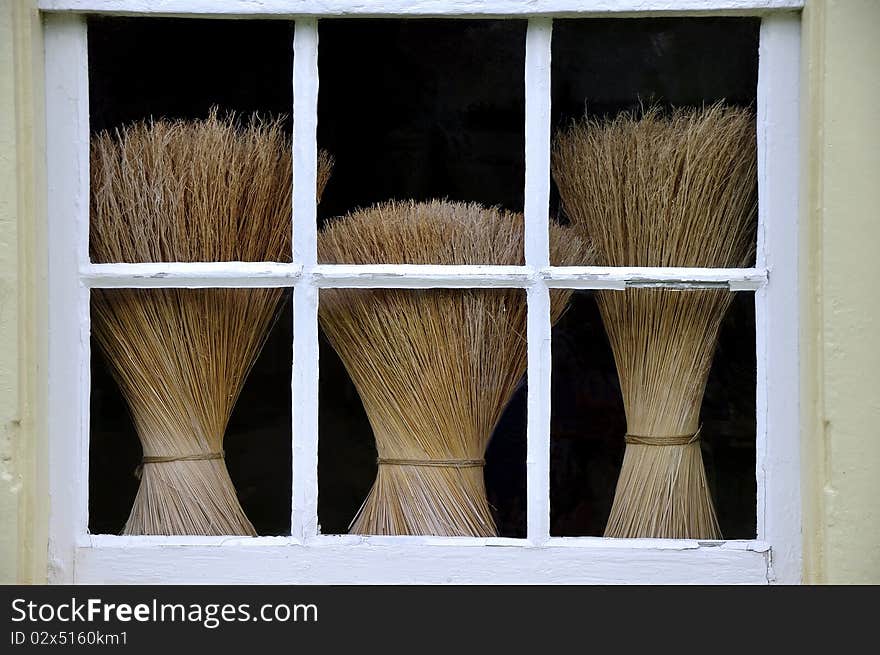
(603, 66)
(424, 109)
(181, 67)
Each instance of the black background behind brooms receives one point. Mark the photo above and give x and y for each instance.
(423, 109)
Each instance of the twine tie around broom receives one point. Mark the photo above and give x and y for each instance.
(663, 440)
(161, 459)
(448, 463)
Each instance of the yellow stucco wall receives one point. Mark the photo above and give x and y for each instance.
(840, 304)
(23, 489)
(842, 363)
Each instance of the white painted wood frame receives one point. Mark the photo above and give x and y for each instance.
(307, 556)
(421, 8)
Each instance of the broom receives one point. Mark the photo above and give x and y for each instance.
(434, 368)
(181, 191)
(678, 190)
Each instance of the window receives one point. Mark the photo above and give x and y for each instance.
(302, 550)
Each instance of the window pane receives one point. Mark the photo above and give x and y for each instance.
(668, 182)
(181, 67)
(199, 182)
(180, 357)
(589, 419)
(422, 110)
(428, 376)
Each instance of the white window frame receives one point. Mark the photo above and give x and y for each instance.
(306, 556)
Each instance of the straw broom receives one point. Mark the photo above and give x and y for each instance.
(187, 192)
(677, 190)
(434, 368)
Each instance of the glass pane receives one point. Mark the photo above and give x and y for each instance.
(644, 162)
(422, 412)
(180, 175)
(665, 351)
(172, 381)
(425, 110)
(178, 68)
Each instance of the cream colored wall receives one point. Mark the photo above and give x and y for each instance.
(23, 491)
(9, 396)
(841, 307)
(842, 452)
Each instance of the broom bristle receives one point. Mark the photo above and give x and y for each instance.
(434, 368)
(676, 190)
(208, 190)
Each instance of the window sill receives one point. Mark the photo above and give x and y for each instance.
(351, 559)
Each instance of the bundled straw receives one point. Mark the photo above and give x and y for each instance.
(434, 368)
(663, 191)
(187, 192)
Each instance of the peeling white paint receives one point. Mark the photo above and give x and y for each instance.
(461, 8)
(596, 277)
(272, 274)
(419, 564)
(537, 256)
(421, 276)
(191, 275)
(776, 305)
(304, 383)
(67, 139)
